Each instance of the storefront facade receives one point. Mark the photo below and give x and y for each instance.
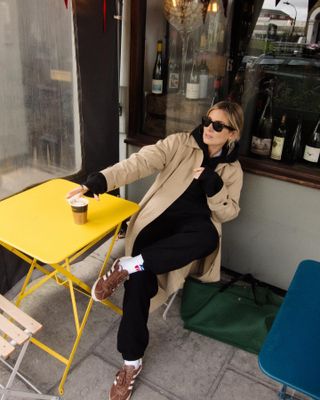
(269, 54)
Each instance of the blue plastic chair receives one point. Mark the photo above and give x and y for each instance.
(291, 351)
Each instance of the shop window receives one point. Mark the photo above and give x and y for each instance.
(262, 55)
(193, 42)
(39, 133)
(278, 84)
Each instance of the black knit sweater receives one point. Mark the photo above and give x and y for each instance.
(193, 201)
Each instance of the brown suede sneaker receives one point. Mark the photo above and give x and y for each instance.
(123, 384)
(107, 284)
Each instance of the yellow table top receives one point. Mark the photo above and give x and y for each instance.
(39, 221)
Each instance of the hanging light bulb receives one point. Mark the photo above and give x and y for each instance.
(213, 7)
(174, 3)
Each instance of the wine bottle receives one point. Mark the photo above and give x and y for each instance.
(217, 96)
(203, 40)
(297, 142)
(157, 76)
(312, 149)
(193, 85)
(203, 79)
(262, 140)
(279, 139)
(174, 74)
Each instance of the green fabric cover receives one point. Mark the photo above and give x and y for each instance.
(238, 314)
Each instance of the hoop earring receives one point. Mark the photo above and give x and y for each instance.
(230, 144)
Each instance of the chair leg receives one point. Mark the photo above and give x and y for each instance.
(164, 315)
(15, 369)
(25, 380)
(26, 395)
(6, 391)
(283, 395)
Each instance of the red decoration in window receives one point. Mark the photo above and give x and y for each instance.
(104, 15)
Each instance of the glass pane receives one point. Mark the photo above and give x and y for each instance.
(194, 53)
(39, 132)
(281, 84)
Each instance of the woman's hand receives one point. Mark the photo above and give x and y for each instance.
(198, 172)
(79, 191)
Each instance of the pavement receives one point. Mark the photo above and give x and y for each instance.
(178, 365)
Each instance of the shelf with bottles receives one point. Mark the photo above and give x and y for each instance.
(177, 101)
(286, 136)
(190, 38)
(292, 150)
(168, 67)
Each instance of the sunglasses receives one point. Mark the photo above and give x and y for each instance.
(216, 125)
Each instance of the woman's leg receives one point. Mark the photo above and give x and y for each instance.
(190, 240)
(133, 334)
(164, 246)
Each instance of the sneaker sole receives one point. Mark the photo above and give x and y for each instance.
(96, 282)
(130, 394)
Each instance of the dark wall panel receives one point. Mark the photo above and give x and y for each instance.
(97, 54)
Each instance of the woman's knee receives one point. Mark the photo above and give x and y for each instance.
(142, 283)
(210, 238)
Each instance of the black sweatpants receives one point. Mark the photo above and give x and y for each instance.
(166, 244)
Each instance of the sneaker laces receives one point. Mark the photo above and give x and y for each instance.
(123, 375)
(113, 276)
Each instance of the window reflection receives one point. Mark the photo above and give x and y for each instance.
(281, 67)
(39, 132)
(195, 60)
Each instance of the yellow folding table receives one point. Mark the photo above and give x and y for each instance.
(37, 225)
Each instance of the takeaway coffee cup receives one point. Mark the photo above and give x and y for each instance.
(79, 208)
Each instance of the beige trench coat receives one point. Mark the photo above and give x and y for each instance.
(175, 158)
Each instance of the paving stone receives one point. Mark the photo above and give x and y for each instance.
(92, 379)
(117, 251)
(178, 361)
(234, 386)
(248, 363)
(17, 383)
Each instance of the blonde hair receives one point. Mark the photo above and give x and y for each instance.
(234, 113)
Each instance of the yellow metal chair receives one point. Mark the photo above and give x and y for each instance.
(12, 336)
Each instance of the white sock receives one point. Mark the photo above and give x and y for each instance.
(135, 363)
(132, 264)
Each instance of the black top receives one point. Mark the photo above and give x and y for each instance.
(193, 201)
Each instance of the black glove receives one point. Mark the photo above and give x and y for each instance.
(211, 182)
(96, 183)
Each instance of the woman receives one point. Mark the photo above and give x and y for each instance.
(178, 228)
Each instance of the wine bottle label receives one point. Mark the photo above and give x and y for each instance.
(157, 86)
(192, 91)
(203, 90)
(277, 147)
(311, 154)
(203, 41)
(173, 80)
(261, 146)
